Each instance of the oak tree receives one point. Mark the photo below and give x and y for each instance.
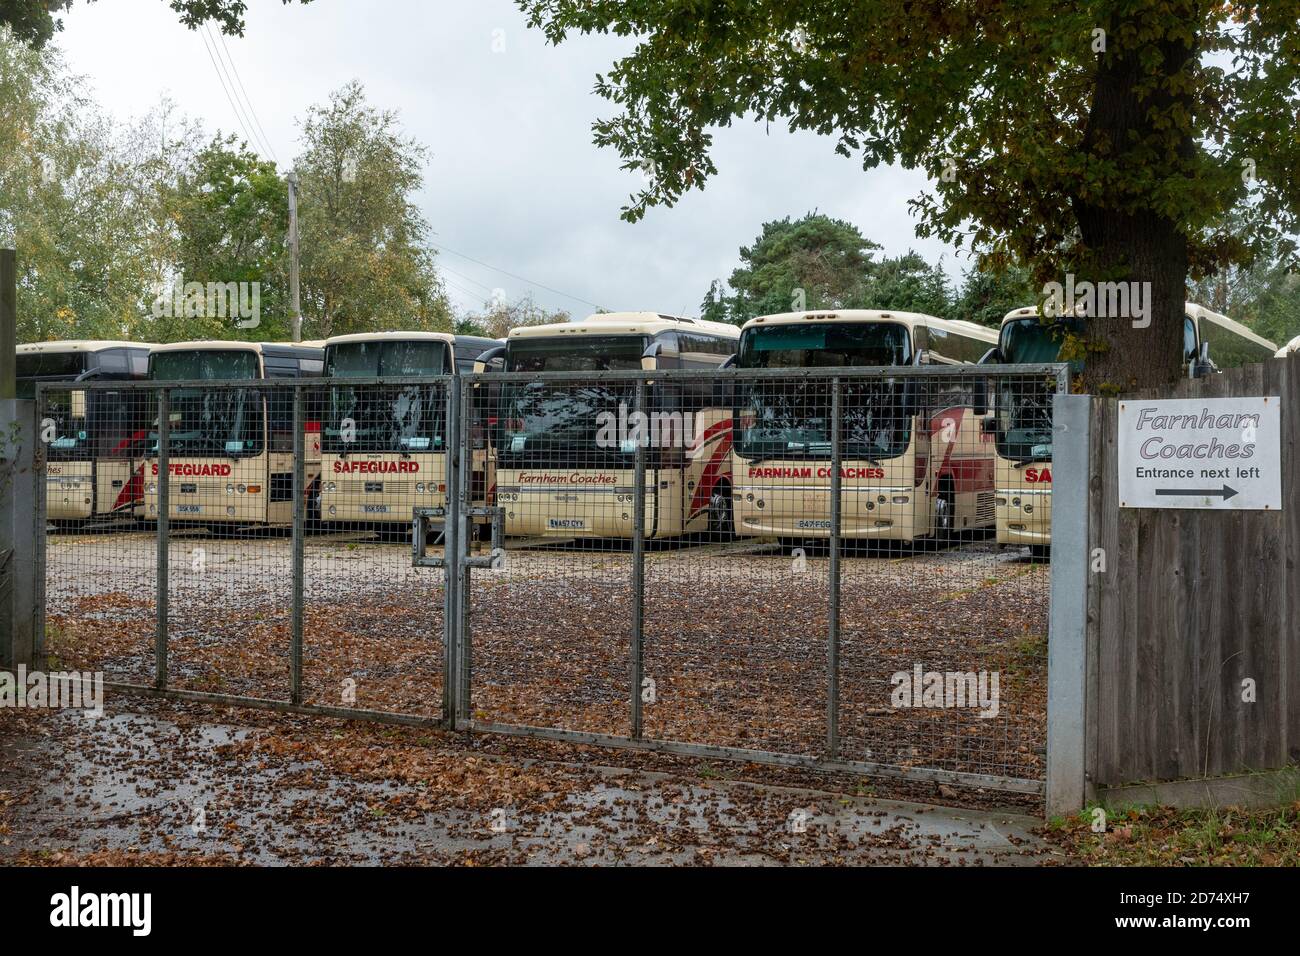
(1105, 140)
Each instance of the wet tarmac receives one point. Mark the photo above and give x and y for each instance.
(169, 783)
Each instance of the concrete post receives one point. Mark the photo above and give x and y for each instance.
(1067, 631)
(18, 501)
(18, 515)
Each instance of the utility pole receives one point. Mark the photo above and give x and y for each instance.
(294, 304)
(8, 323)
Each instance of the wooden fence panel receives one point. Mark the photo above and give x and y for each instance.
(1192, 604)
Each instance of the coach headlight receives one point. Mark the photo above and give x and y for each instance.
(419, 487)
(1029, 509)
(333, 510)
(230, 489)
(330, 486)
(153, 488)
(241, 488)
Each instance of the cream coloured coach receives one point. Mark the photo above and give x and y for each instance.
(565, 450)
(384, 445)
(230, 450)
(95, 459)
(915, 462)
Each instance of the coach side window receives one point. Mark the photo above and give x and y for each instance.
(114, 363)
(940, 345)
(669, 350)
(698, 351)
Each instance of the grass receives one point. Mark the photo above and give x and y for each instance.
(1165, 836)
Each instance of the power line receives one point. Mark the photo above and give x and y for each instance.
(266, 140)
(469, 294)
(481, 285)
(238, 115)
(258, 143)
(512, 275)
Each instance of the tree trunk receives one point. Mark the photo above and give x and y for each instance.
(1131, 350)
(1141, 249)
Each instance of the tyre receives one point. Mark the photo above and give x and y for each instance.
(722, 515)
(945, 517)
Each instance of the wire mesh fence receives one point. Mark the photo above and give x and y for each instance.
(815, 567)
(100, 580)
(373, 626)
(260, 549)
(799, 565)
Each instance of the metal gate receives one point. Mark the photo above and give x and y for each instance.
(215, 541)
(791, 568)
(798, 569)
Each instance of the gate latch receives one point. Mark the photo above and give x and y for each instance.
(497, 515)
(420, 521)
(421, 518)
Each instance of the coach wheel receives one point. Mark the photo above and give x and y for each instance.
(945, 516)
(314, 521)
(1040, 552)
(722, 520)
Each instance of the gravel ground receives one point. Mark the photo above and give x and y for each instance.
(170, 783)
(734, 638)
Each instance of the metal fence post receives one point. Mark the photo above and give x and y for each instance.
(164, 529)
(464, 532)
(296, 551)
(40, 458)
(833, 622)
(450, 548)
(1067, 633)
(635, 647)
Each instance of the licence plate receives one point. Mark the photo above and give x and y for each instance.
(189, 509)
(814, 524)
(374, 509)
(566, 524)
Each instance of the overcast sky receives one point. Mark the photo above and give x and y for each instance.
(513, 179)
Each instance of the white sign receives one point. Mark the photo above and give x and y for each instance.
(1211, 453)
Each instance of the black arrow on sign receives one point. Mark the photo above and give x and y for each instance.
(1225, 493)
